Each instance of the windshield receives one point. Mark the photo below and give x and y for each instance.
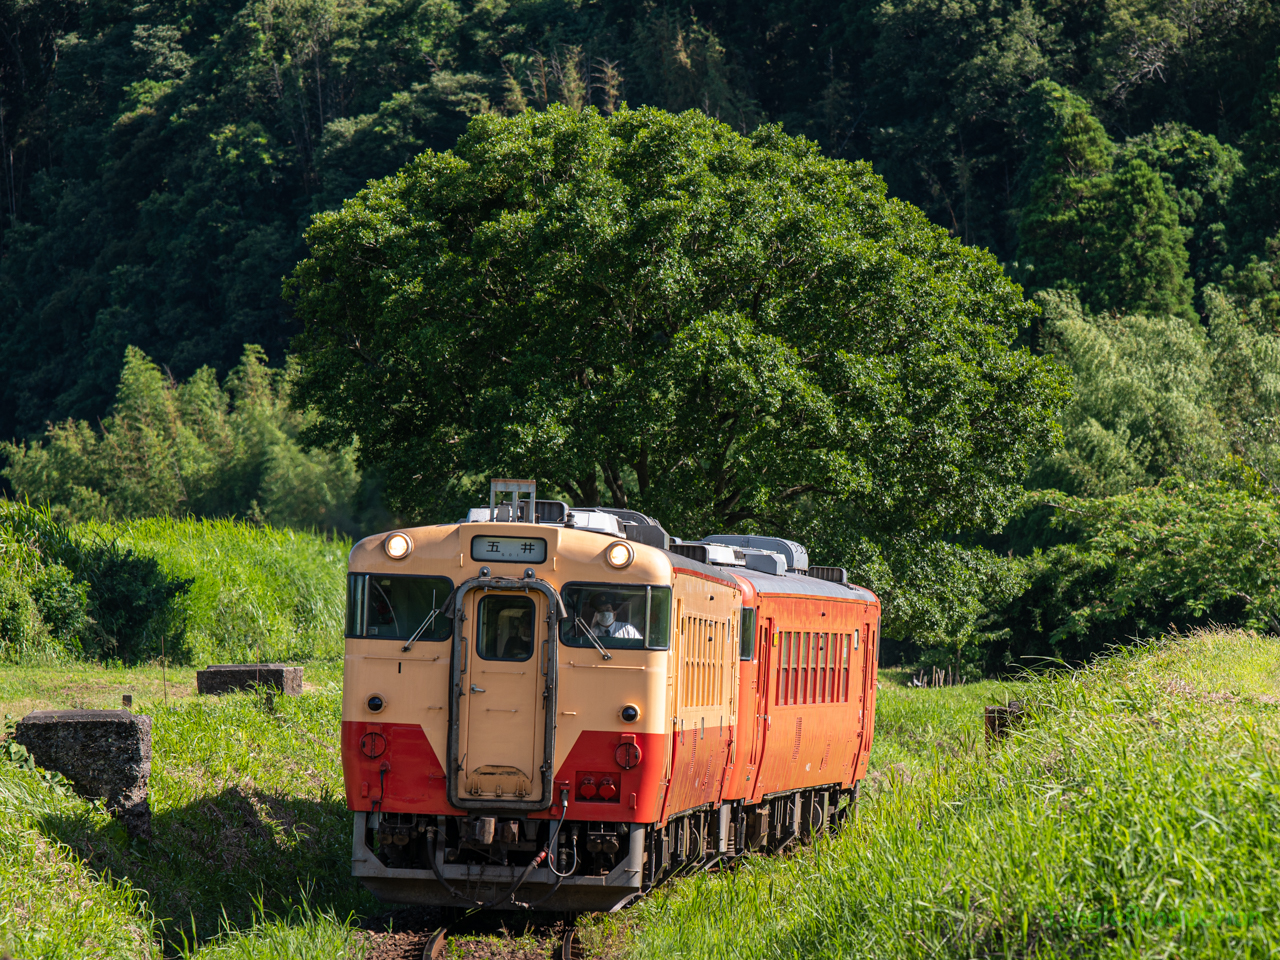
(395, 607)
(619, 617)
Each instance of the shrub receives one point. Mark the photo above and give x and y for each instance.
(1182, 553)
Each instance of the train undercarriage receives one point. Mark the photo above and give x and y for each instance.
(513, 862)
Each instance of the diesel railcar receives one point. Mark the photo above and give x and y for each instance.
(556, 707)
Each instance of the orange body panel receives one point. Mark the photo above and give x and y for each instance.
(808, 720)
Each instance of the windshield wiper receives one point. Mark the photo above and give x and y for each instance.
(595, 642)
(427, 622)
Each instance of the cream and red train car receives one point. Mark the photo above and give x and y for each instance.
(555, 708)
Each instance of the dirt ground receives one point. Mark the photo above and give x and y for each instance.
(404, 934)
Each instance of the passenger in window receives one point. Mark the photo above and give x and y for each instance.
(607, 622)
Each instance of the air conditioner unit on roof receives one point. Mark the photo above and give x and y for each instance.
(796, 555)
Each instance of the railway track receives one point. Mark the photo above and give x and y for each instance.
(570, 947)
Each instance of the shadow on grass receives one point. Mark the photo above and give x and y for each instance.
(213, 857)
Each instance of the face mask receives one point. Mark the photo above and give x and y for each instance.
(605, 618)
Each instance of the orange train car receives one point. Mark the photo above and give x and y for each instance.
(561, 708)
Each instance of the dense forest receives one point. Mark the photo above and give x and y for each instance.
(162, 161)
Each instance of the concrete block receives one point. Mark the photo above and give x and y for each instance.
(218, 678)
(106, 754)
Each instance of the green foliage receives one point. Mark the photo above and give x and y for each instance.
(1199, 176)
(195, 447)
(303, 933)
(1255, 240)
(1159, 395)
(64, 593)
(553, 298)
(56, 903)
(205, 590)
(1182, 553)
(250, 832)
(1109, 234)
(255, 593)
(1134, 815)
(159, 162)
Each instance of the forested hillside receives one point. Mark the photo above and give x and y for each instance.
(161, 159)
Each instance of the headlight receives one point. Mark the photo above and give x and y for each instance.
(619, 554)
(397, 546)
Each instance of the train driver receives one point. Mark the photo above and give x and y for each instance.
(605, 623)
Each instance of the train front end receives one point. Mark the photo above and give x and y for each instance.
(503, 738)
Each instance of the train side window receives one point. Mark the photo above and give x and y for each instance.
(505, 631)
(844, 680)
(832, 656)
(397, 608)
(828, 688)
(815, 660)
(356, 583)
(795, 666)
(780, 693)
(747, 634)
(658, 636)
(804, 669)
(855, 639)
(824, 694)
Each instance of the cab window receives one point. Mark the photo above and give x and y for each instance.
(617, 617)
(397, 608)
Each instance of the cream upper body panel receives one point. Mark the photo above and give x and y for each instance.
(591, 693)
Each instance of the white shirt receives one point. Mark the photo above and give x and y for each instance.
(617, 629)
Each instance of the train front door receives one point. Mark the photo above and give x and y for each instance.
(501, 707)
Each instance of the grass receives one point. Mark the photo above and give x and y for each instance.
(258, 593)
(303, 933)
(251, 836)
(1136, 814)
(916, 727)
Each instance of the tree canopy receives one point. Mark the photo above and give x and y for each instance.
(656, 312)
(159, 161)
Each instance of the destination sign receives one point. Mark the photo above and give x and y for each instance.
(509, 549)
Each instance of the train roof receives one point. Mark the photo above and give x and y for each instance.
(719, 574)
(803, 585)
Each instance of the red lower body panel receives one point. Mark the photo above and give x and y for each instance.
(391, 767)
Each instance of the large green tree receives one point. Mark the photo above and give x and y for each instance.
(1110, 234)
(656, 312)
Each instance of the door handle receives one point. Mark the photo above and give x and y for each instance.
(475, 689)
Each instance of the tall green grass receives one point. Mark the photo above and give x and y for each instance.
(251, 838)
(302, 933)
(257, 593)
(1136, 814)
(53, 905)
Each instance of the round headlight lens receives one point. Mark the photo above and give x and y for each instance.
(630, 713)
(619, 554)
(397, 546)
(375, 704)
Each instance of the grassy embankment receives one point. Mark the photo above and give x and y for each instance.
(257, 593)
(247, 812)
(1136, 814)
(246, 794)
